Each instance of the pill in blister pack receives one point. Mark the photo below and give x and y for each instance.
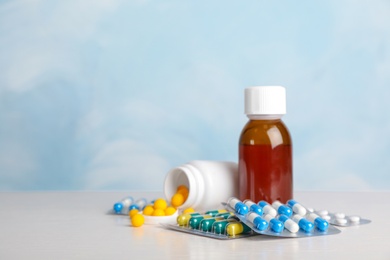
(218, 224)
(342, 220)
(278, 220)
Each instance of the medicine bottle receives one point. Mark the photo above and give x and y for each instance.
(209, 183)
(265, 147)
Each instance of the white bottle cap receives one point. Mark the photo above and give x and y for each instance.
(265, 100)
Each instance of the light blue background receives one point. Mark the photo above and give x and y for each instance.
(110, 95)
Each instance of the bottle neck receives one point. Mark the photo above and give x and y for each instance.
(264, 117)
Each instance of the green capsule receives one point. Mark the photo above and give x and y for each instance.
(182, 220)
(194, 221)
(233, 229)
(207, 224)
(213, 213)
(219, 227)
(224, 215)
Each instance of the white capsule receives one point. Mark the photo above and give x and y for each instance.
(341, 221)
(291, 226)
(354, 219)
(299, 209)
(312, 217)
(339, 215)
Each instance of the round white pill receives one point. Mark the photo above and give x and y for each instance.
(323, 212)
(339, 215)
(354, 219)
(310, 209)
(327, 217)
(341, 221)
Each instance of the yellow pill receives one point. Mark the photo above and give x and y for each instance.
(177, 200)
(137, 220)
(234, 229)
(160, 204)
(148, 210)
(170, 211)
(158, 212)
(133, 212)
(182, 187)
(188, 210)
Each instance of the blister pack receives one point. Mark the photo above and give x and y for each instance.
(218, 224)
(342, 220)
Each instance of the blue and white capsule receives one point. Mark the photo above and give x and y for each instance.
(303, 223)
(267, 208)
(257, 221)
(274, 224)
(289, 224)
(319, 222)
(123, 205)
(238, 206)
(139, 204)
(297, 208)
(253, 207)
(282, 209)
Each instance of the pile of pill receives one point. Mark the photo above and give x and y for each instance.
(218, 223)
(277, 219)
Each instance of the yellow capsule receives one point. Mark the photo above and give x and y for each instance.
(233, 229)
(182, 220)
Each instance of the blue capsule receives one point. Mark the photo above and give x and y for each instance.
(239, 207)
(303, 223)
(282, 209)
(274, 224)
(320, 223)
(253, 207)
(123, 205)
(138, 204)
(297, 208)
(257, 221)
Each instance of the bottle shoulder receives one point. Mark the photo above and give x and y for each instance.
(265, 132)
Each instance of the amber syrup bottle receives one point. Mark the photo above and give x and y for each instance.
(265, 147)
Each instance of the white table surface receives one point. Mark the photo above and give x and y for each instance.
(75, 225)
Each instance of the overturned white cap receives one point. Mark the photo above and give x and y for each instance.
(265, 100)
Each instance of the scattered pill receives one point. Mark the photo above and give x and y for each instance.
(234, 229)
(282, 209)
(137, 220)
(274, 224)
(123, 205)
(319, 222)
(238, 206)
(257, 221)
(297, 208)
(341, 221)
(354, 219)
(289, 224)
(253, 207)
(339, 215)
(138, 204)
(133, 212)
(303, 223)
(267, 208)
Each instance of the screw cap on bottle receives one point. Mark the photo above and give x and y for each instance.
(265, 100)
